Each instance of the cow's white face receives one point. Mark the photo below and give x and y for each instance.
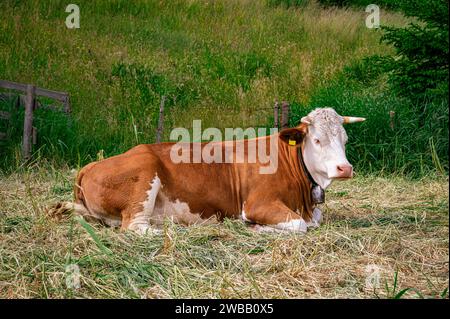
(324, 147)
(324, 139)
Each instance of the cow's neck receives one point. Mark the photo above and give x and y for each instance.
(291, 170)
(304, 167)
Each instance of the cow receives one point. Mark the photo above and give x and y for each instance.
(139, 189)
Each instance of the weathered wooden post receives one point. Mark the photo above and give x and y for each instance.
(391, 119)
(28, 123)
(275, 114)
(66, 104)
(34, 135)
(284, 115)
(160, 129)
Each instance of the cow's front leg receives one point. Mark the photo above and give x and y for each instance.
(316, 218)
(273, 216)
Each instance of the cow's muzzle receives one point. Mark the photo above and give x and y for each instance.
(344, 171)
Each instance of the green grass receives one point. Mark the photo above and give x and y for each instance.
(224, 62)
(399, 225)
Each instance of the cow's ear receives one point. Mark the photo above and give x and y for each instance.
(294, 136)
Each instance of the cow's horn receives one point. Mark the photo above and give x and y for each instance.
(351, 119)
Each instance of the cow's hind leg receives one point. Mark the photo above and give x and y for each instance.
(137, 216)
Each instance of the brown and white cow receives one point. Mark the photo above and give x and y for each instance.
(143, 186)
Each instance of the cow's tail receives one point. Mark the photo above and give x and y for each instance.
(61, 209)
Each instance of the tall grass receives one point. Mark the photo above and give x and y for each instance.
(224, 62)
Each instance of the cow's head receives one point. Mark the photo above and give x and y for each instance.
(323, 138)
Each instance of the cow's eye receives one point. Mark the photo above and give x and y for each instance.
(316, 141)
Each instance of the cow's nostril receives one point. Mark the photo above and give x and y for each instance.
(345, 170)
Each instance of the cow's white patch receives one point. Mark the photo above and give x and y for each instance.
(158, 206)
(294, 225)
(141, 221)
(244, 217)
(267, 229)
(176, 210)
(316, 218)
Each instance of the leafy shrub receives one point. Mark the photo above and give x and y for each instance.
(420, 67)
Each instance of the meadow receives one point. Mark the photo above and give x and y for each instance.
(226, 63)
(396, 227)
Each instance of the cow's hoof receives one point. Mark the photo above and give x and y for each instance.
(293, 226)
(317, 215)
(316, 218)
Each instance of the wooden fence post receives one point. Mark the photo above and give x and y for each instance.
(160, 129)
(66, 105)
(391, 119)
(28, 123)
(34, 135)
(284, 115)
(275, 115)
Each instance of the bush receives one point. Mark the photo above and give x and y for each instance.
(420, 67)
